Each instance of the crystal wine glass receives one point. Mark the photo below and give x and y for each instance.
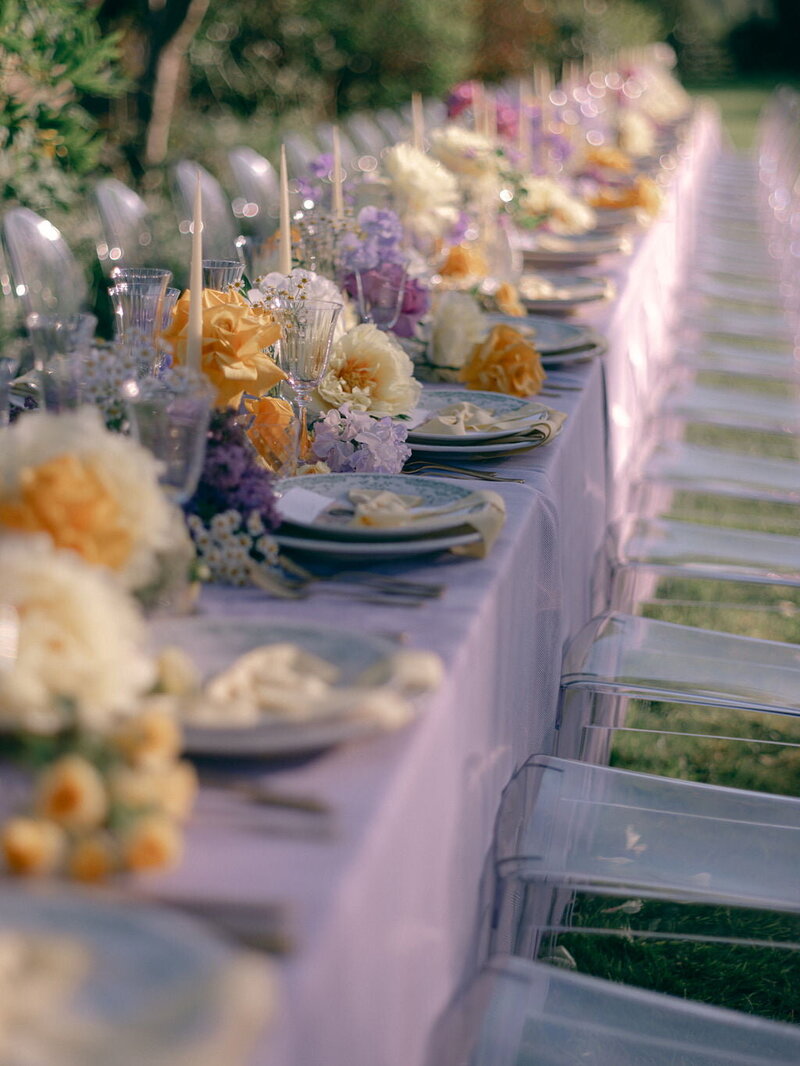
(380, 292)
(305, 344)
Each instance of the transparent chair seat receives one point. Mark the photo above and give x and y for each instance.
(220, 231)
(125, 221)
(625, 655)
(46, 276)
(694, 550)
(738, 408)
(257, 190)
(716, 471)
(522, 1013)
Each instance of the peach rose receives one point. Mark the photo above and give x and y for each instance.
(504, 362)
(235, 335)
(92, 858)
(507, 299)
(608, 156)
(66, 498)
(152, 843)
(464, 261)
(273, 431)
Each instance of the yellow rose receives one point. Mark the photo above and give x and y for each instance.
(67, 499)
(507, 299)
(504, 362)
(151, 738)
(235, 335)
(642, 193)
(92, 858)
(32, 845)
(464, 261)
(152, 843)
(71, 792)
(608, 156)
(273, 430)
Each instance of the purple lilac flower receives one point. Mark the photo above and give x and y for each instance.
(232, 477)
(355, 442)
(381, 243)
(321, 166)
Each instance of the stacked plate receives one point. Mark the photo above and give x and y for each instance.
(318, 514)
(561, 294)
(518, 434)
(551, 249)
(556, 342)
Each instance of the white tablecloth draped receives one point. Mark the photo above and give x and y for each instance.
(387, 914)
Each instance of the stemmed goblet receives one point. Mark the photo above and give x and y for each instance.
(380, 292)
(305, 345)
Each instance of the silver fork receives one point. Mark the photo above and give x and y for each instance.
(420, 467)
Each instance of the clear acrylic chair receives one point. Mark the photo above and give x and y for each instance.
(366, 134)
(126, 226)
(257, 191)
(738, 408)
(300, 153)
(592, 861)
(522, 1013)
(47, 278)
(220, 230)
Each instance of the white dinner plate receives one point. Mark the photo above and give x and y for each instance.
(556, 250)
(373, 551)
(156, 983)
(547, 334)
(579, 355)
(434, 400)
(615, 218)
(570, 292)
(215, 642)
(331, 525)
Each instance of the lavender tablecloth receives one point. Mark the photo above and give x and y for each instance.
(387, 913)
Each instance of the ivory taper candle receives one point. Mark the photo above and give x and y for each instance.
(194, 344)
(417, 122)
(336, 177)
(285, 261)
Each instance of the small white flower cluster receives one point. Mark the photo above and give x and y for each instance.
(229, 546)
(104, 371)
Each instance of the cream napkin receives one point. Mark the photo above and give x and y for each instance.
(460, 419)
(388, 510)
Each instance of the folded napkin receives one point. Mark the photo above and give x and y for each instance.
(389, 510)
(460, 419)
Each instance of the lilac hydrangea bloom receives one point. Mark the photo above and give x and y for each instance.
(355, 442)
(381, 242)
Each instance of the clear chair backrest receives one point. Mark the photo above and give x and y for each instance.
(257, 190)
(644, 657)
(716, 471)
(219, 225)
(349, 152)
(367, 134)
(521, 1013)
(300, 154)
(125, 220)
(602, 829)
(46, 276)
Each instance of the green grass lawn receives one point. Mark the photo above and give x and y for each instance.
(740, 104)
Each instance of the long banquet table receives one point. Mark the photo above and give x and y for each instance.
(388, 914)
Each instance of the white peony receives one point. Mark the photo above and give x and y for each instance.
(473, 159)
(118, 484)
(425, 194)
(564, 213)
(635, 133)
(79, 638)
(458, 325)
(369, 371)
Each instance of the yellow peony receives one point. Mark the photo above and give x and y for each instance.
(504, 362)
(32, 845)
(235, 336)
(370, 371)
(68, 499)
(72, 792)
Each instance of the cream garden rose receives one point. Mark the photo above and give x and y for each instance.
(369, 371)
(91, 491)
(458, 325)
(564, 213)
(472, 158)
(80, 639)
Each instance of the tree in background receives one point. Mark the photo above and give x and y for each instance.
(53, 64)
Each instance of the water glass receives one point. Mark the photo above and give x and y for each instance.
(380, 292)
(220, 274)
(137, 296)
(170, 417)
(60, 344)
